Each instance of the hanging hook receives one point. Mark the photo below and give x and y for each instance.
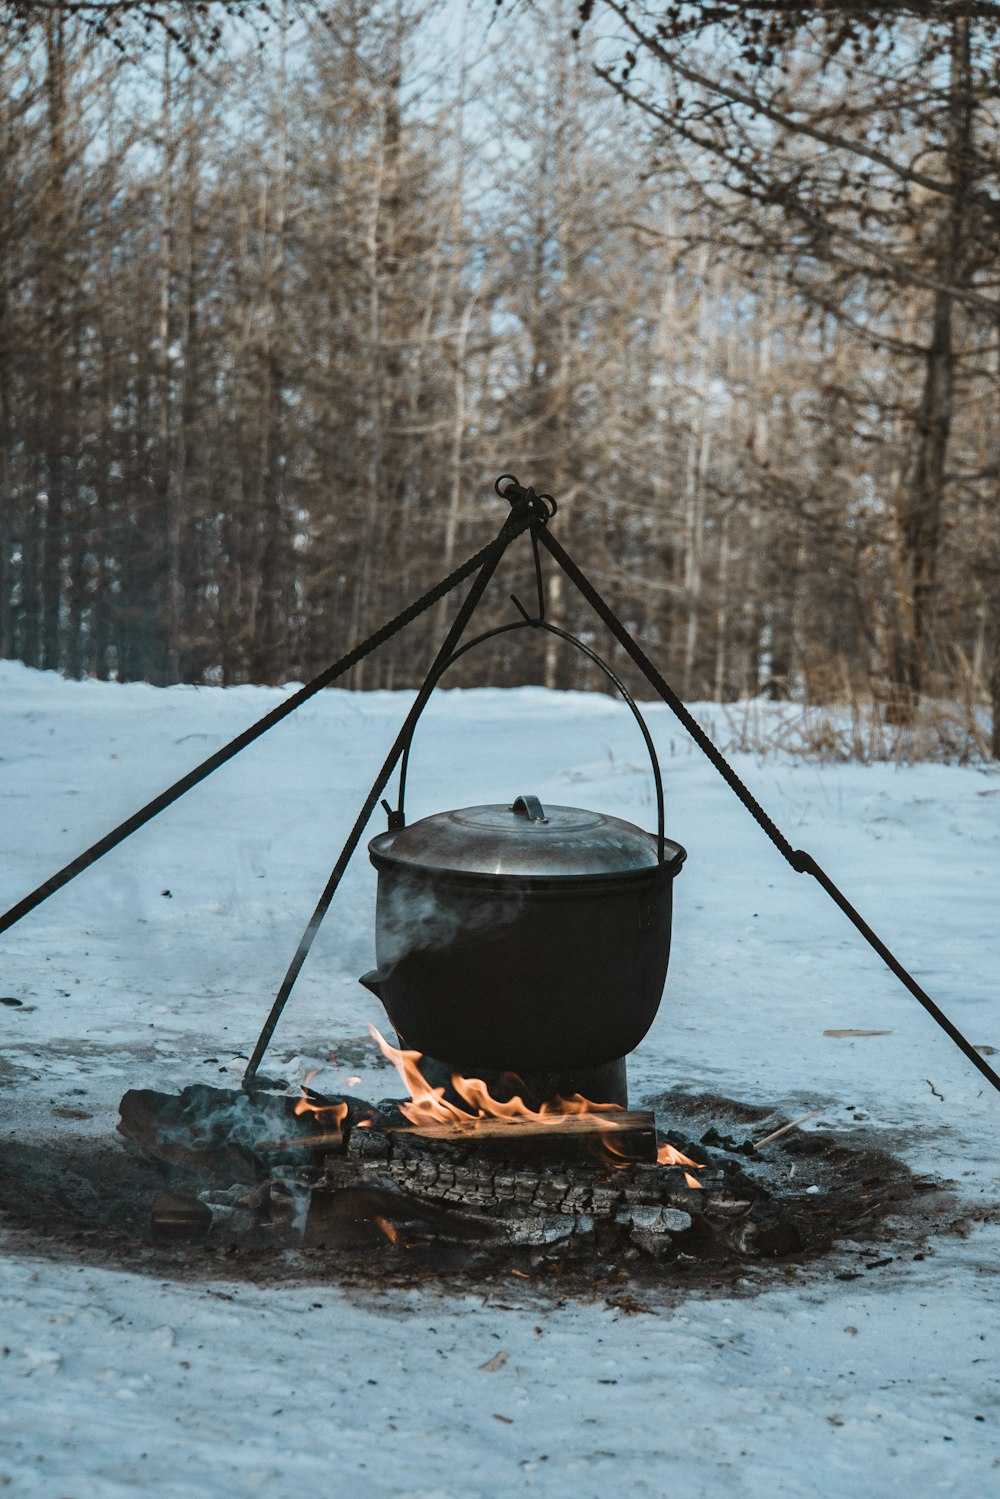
(508, 488)
(539, 618)
(539, 585)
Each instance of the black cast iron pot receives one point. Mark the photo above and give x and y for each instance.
(522, 937)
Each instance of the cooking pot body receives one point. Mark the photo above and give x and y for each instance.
(510, 972)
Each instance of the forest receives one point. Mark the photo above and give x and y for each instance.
(284, 287)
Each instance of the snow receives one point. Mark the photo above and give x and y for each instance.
(804, 1384)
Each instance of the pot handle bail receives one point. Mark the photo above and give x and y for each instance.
(397, 816)
(529, 807)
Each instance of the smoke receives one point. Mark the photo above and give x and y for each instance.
(226, 1135)
(415, 917)
(240, 1149)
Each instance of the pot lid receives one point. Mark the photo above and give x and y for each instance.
(522, 839)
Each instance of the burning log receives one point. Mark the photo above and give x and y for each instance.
(627, 1136)
(364, 1179)
(363, 1216)
(229, 1136)
(475, 1184)
(455, 1166)
(451, 1167)
(484, 1170)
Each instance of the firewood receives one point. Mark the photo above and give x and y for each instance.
(459, 1172)
(228, 1134)
(623, 1136)
(564, 1185)
(358, 1216)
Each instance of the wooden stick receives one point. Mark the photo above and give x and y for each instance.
(840, 1034)
(626, 1135)
(621, 1121)
(785, 1128)
(303, 1142)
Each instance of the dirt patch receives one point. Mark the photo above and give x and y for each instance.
(853, 1207)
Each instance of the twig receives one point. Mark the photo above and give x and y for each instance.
(857, 1033)
(785, 1128)
(866, 1214)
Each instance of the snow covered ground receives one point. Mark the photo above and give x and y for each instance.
(112, 1383)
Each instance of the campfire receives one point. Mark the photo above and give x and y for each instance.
(614, 1131)
(461, 1175)
(534, 941)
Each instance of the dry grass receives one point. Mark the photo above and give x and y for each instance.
(953, 731)
(841, 721)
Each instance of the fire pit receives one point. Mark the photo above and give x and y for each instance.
(570, 1188)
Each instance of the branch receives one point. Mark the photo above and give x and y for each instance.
(117, 21)
(107, 7)
(874, 337)
(796, 127)
(759, 190)
(823, 10)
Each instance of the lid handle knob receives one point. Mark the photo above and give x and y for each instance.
(529, 807)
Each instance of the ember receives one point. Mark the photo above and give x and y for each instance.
(388, 1228)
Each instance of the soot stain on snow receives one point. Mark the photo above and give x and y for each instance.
(75, 1197)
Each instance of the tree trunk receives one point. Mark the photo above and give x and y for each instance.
(699, 441)
(163, 533)
(995, 687)
(8, 520)
(995, 663)
(722, 613)
(274, 558)
(924, 481)
(79, 517)
(52, 543)
(188, 661)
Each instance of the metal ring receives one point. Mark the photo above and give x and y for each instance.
(510, 478)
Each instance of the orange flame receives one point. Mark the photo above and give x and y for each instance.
(330, 1115)
(609, 1154)
(427, 1105)
(388, 1228)
(667, 1155)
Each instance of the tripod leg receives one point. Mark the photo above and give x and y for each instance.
(801, 862)
(315, 921)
